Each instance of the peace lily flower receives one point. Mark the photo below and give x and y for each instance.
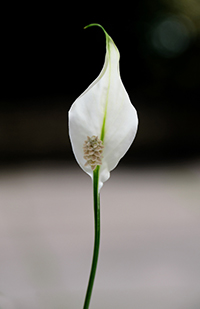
(102, 126)
(103, 111)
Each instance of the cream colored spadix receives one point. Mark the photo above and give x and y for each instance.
(104, 110)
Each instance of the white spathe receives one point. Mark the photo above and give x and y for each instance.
(104, 106)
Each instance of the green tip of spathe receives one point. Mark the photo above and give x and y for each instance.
(91, 25)
(98, 25)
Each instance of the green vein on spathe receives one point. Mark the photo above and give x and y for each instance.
(108, 48)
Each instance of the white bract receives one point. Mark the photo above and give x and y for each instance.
(104, 113)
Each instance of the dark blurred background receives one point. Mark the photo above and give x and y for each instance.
(48, 60)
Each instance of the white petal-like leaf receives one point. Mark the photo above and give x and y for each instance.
(104, 110)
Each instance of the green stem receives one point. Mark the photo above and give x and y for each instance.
(96, 198)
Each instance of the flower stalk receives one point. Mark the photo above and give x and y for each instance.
(96, 199)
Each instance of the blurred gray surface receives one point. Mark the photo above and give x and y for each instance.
(150, 231)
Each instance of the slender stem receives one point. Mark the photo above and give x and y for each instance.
(96, 198)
